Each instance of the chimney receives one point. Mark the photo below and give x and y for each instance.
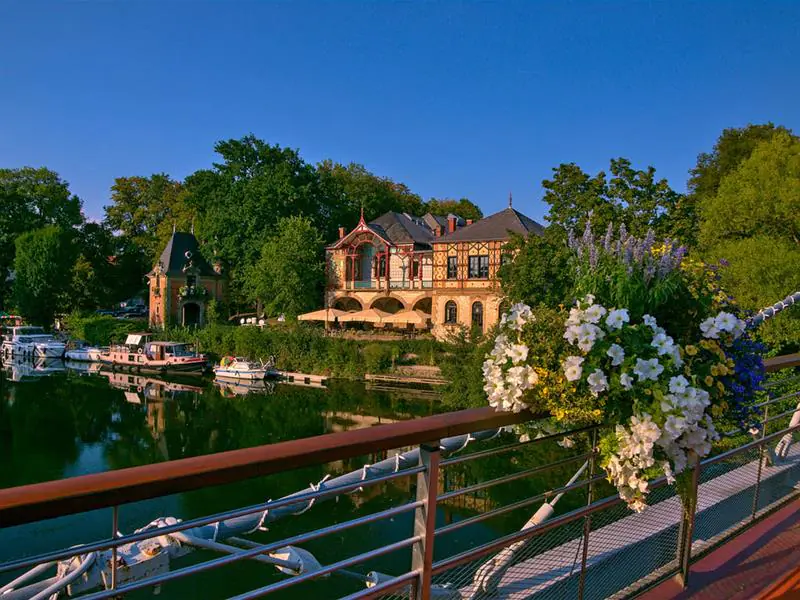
(469, 221)
(451, 224)
(341, 232)
(437, 231)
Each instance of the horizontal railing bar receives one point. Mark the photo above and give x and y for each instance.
(184, 525)
(516, 505)
(774, 400)
(392, 585)
(770, 383)
(749, 446)
(246, 554)
(515, 446)
(28, 503)
(781, 362)
(513, 476)
(347, 562)
(779, 416)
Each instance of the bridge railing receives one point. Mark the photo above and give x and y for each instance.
(594, 548)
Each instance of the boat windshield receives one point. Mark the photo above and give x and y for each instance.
(179, 350)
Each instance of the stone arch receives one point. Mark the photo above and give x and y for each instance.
(424, 304)
(347, 304)
(450, 312)
(191, 314)
(477, 315)
(388, 304)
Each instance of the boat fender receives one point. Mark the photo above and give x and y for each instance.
(140, 351)
(139, 389)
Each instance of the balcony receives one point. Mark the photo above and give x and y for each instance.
(579, 541)
(380, 284)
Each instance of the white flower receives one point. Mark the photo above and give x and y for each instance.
(650, 321)
(663, 344)
(678, 385)
(588, 299)
(597, 382)
(668, 472)
(594, 313)
(626, 381)
(572, 333)
(676, 356)
(674, 426)
(709, 328)
(572, 368)
(738, 329)
(525, 437)
(517, 353)
(648, 369)
(617, 354)
(575, 317)
(753, 431)
(566, 443)
(725, 321)
(586, 344)
(517, 317)
(617, 318)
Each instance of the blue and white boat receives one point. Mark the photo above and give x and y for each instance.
(236, 367)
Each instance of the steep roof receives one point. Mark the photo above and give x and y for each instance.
(400, 228)
(174, 257)
(494, 227)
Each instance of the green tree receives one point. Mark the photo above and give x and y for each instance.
(630, 196)
(145, 209)
(541, 272)
(43, 269)
(464, 208)
(31, 198)
(289, 275)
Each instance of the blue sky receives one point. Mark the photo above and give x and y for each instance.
(452, 98)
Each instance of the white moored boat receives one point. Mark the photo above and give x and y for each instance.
(31, 341)
(81, 351)
(235, 367)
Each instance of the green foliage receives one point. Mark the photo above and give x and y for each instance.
(633, 197)
(99, 330)
(377, 357)
(31, 198)
(541, 272)
(461, 367)
(464, 208)
(289, 276)
(44, 258)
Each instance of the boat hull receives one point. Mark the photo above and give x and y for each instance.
(49, 350)
(189, 368)
(84, 355)
(241, 375)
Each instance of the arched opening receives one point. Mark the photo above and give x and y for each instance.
(390, 305)
(424, 305)
(347, 304)
(477, 315)
(502, 309)
(191, 314)
(450, 312)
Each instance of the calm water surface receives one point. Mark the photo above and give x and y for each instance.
(67, 423)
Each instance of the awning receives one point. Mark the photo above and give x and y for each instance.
(371, 315)
(325, 314)
(414, 317)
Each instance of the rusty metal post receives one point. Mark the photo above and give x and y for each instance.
(686, 529)
(587, 520)
(425, 517)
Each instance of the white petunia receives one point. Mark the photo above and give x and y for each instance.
(626, 381)
(517, 353)
(567, 442)
(650, 321)
(594, 313)
(668, 472)
(617, 354)
(617, 318)
(648, 369)
(678, 385)
(572, 333)
(597, 382)
(725, 321)
(674, 426)
(575, 317)
(663, 344)
(572, 368)
(709, 328)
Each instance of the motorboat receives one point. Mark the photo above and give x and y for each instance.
(27, 340)
(82, 351)
(236, 367)
(235, 388)
(140, 353)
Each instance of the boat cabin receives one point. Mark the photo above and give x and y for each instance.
(168, 350)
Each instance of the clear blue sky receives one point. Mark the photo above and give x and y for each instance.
(452, 98)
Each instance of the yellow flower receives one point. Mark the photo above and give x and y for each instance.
(721, 387)
(648, 391)
(722, 369)
(691, 350)
(714, 370)
(709, 381)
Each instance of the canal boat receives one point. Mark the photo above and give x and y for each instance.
(235, 367)
(140, 353)
(83, 352)
(30, 341)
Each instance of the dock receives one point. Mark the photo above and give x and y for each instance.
(405, 379)
(303, 379)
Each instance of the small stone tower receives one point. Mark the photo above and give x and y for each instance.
(181, 284)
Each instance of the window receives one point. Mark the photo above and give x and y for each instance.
(477, 315)
(415, 269)
(191, 280)
(381, 266)
(479, 267)
(450, 312)
(505, 258)
(452, 267)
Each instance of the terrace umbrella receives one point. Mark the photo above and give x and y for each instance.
(324, 314)
(371, 315)
(410, 317)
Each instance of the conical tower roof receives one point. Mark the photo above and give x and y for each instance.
(181, 253)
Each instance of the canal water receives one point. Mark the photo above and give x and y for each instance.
(58, 422)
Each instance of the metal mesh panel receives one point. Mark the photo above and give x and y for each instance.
(627, 548)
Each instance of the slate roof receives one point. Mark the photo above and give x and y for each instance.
(399, 228)
(494, 227)
(174, 255)
(434, 220)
